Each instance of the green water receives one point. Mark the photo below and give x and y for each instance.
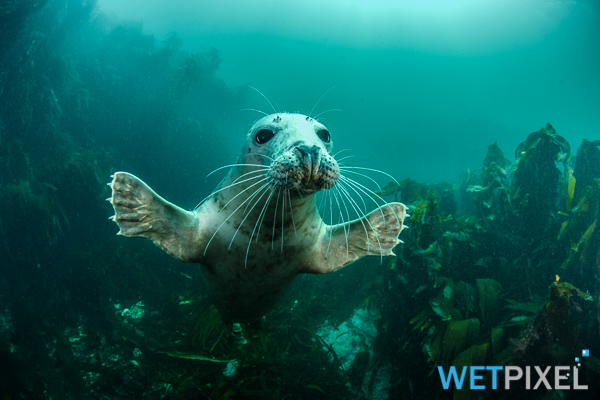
(431, 80)
(500, 265)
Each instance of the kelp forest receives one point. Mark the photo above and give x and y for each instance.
(500, 268)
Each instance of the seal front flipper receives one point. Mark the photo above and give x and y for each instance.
(139, 211)
(375, 234)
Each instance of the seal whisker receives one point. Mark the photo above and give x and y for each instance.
(373, 229)
(243, 175)
(366, 191)
(366, 176)
(346, 157)
(359, 196)
(242, 192)
(371, 169)
(255, 194)
(341, 151)
(318, 101)
(322, 201)
(357, 210)
(277, 107)
(225, 188)
(345, 205)
(239, 165)
(246, 212)
(341, 217)
(258, 222)
(275, 219)
(292, 212)
(326, 111)
(353, 184)
(254, 109)
(262, 155)
(340, 213)
(233, 213)
(265, 97)
(282, 218)
(324, 213)
(245, 209)
(330, 224)
(354, 161)
(263, 213)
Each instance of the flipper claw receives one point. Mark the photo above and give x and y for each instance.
(139, 211)
(375, 234)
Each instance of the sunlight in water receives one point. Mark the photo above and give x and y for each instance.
(434, 25)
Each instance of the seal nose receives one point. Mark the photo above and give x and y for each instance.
(311, 158)
(305, 150)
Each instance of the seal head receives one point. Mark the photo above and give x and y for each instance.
(299, 150)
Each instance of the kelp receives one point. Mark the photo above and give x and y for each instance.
(555, 330)
(496, 267)
(68, 95)
(489, 299)
(559, 311)
(536, 179)
(532, 306)
(474, 355)
(407, 191)
(582, 210)
(587, 164)
(491, 191)
(469, 285)
(458, 335)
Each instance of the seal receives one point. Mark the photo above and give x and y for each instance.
(261, 226)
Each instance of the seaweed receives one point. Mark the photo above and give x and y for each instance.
(536, 179)
(587, 164)
(481, 275)
(491, 192)
(554, 331)
(81, 312)
(582, 211)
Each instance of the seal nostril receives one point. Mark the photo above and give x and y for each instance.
(315, 150)
(303, 150)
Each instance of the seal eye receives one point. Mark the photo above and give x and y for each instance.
(263, 136)
(324, 135)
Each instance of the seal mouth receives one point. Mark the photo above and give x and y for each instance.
(307, 169)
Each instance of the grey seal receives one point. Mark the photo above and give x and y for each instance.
(261, 227)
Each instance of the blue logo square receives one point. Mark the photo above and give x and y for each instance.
(576, 359)
(585, 353)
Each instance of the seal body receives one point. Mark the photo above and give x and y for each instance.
(260, 227)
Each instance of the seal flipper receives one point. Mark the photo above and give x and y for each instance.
(375, 234)
(140, 212)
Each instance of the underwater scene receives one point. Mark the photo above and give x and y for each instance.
(447, 246)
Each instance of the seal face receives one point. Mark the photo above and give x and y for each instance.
(260, 227)
(299, 149)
